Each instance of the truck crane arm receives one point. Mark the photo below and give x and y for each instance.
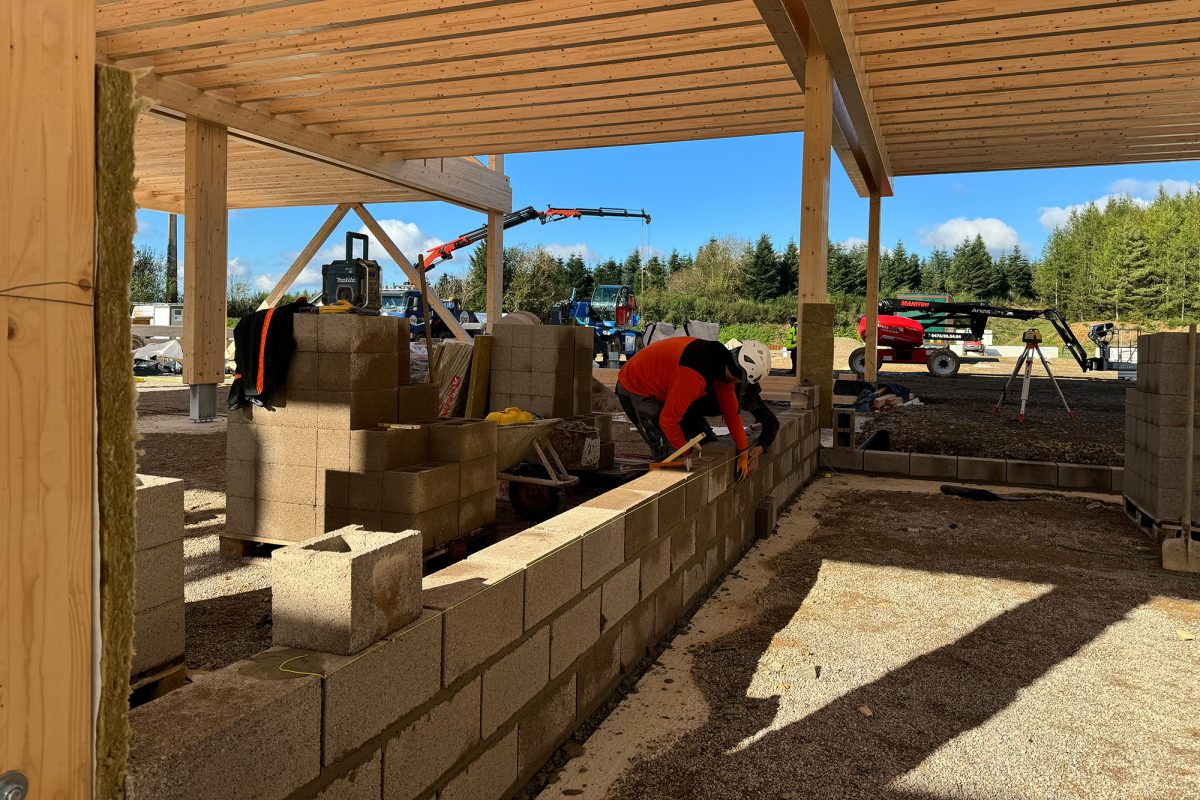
(975, 316)
(445, 251)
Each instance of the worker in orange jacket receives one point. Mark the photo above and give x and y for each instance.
(659, 384)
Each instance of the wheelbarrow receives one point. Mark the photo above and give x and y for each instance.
(535, 473)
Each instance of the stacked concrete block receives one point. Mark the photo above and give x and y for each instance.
(344, 590)
(545, 369)
(158, 621)
(1156, 431)
(515, 648)
(344, 377)
(470, 443)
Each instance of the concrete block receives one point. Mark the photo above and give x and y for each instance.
(696, 492)
(683, 543)
(158, 575)
(436, 525)
(512, 335)
(462, 440)
(244, 732)
(637, 633)
(764, 519)
(1031, 473)
(333, 450)
(284, 522)
(1085, 476)
(476, 511)
(668, 605)
(490, 776)
(304, 332)
(364, 782)
(842, 459)
(421, 487)
(981, 470)
(357, 372)
(514, 680)
(362, 694)
(239, 515)
(885, 462)
(1118, 480)
(158, 636)
(358, 410)
(619, 595)
(356, 333)
(477, 475)
(285, 446)
(158, 511)
(552, 359)
(364, 491)
(655, 565)
(694, 582)
(670, 490)
(706, 525)
(286, 483)
(551, 562)
(346, 589)
(805, 397)
(553, 337)
(580, 520)
(712, 563)
(927, 465)
(241, 477)
(598, 674)
(483, 609)
(573, 632)
(640, 508)
(547, 724)
(419, 754)
(416, 402)
(603, 551)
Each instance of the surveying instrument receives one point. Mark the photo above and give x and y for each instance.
(1033, 344)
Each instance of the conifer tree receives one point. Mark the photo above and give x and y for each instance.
(789, 269)
(762, 273)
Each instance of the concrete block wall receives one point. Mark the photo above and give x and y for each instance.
(158, 621)
(1156, 431)
(546, 369)
(516, 647)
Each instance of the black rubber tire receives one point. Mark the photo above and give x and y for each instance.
(532, 502)
(943, 363)
(858, 361)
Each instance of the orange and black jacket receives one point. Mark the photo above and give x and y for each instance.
(679, 371)
(263, 347)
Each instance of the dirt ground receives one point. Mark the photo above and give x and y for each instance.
(956, 418)
(890, 641)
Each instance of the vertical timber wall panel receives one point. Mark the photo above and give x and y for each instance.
(47, 390)
(205, 252)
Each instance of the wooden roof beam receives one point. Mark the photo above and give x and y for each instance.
(856, 137)
(454, 179)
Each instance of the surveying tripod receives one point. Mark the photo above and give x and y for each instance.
(1033, 344)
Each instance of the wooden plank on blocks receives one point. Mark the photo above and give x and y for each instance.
(206, 249)
(47, 395)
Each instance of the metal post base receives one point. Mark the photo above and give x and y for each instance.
(203, 402)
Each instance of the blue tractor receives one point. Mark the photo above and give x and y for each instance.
(612, 314)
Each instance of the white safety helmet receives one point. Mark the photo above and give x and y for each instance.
(755, 360)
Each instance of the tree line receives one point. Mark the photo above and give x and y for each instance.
(1128, 259)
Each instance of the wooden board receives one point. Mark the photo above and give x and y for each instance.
(206, 250)
(47, 396)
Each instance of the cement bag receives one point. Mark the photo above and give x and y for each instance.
(657, 331)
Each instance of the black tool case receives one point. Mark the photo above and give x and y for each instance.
(356, 280)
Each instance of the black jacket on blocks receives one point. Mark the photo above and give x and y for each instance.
(263, 346)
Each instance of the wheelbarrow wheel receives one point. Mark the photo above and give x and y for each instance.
(533, 502)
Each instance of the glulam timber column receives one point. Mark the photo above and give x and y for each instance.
(872, 336)
(206, 251)
(814, 313)
(495, 254)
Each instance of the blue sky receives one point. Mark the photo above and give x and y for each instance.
(693, 190)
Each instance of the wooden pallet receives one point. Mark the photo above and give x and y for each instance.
(157, 682)
(460, 547)
(1156, 529)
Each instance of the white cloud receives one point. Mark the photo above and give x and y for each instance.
(309, 279)
(998, 235)
(850, 242)
(564, 251)
(238, 267)
(1057, 216)
(407, 236)
(1148, 190)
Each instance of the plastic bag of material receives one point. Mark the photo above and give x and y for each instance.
(451, 366)
(418, 362)
(702, 330)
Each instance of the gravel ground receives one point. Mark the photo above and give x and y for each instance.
(956, 418)
(890, 641)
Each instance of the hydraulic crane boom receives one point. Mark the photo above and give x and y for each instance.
(445, 251)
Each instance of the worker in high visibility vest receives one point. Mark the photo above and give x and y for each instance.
(790, 341)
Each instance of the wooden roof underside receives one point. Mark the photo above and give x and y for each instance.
(955, 85)
(259, 176)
